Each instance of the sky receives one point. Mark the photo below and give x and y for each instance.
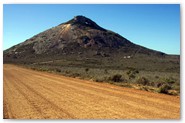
(155, 26)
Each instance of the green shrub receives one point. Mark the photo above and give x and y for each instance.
(131, 76)
(43, 69)
(33, 68)
(164, 88)
(106, 71)
(170, 80)
(116, 78)
(86, 69)
(128, 72)
(176, 87)
(58, 70)
(143, 81)
(99, 80)
(67, 72)
(159, 84)
(173, 92)
(157, 77)
(126, 85)
(132, 73)
(145, 88)
(136, 71)
(74, 75)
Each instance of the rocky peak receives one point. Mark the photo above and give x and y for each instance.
(84, 21)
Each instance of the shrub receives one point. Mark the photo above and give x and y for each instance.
(157, 77)
(170, 80)
(58, 70)
(106, 71)
(67, 72)
(136, 71)
(176, 87)
(145, 88)
(143, 81)
(153, 84)
(115, 78)
(132, 73)
(99, 80)
(159, 84)
(86, 69)
(131, 76)
(126, 85)
(33, 68)
(74, 75)
(164, 88)
(172, 92)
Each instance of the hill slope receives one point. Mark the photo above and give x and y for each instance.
(80, 37)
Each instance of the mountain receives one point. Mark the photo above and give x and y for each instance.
(78, 37)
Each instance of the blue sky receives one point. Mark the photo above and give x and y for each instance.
(155, 26)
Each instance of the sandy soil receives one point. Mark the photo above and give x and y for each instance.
(31, 94)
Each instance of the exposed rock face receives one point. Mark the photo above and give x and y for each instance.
(83, 21)
(79, 32)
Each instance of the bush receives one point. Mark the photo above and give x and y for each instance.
(58, 70)
(159, 84)
(106, 71)
(74, 75)
(67, 72)
(143, 81)
(86, 69)
(131, 76)
(164, 88)
(33, 68)
(176, 87)
(129, 72)
(116, 78)
(170, 80)
(132, 73)
(145, 88)
(172, 92)
(99, 80)
(157, 77)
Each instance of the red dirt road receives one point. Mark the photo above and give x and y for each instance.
(31, 94)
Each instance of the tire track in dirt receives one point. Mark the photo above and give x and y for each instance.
(7, 112)
(12, 96)
(62, 97)
(48, 104)
(30, 101)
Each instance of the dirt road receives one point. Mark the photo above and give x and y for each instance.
(31, 94)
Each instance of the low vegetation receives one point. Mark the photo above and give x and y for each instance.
(115, 78)
(155, 81)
